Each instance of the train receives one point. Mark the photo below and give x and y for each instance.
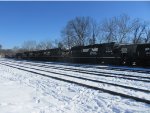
(106, 53)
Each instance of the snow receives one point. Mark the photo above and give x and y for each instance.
(100, 85)
(90, 67)
(16, 98)
(25, 92)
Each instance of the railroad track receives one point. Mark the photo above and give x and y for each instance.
(115, 68)
(82, 82)
(125, 69)
(97, 73)
(99, 81)
(131, 77)
(91, 75)
(146, 71)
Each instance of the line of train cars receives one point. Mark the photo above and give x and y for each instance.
(106, 53)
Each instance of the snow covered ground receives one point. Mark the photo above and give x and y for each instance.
(25, 92)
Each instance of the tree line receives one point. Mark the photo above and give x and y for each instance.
(122, 29)
(87, 31)
(4, 52)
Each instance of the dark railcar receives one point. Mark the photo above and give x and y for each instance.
(85, 54)
(98, 53)
(19, 55)
(89, 54)
(47, 55)
(127, 54)
(65, 55)
(75, 54)
(143, 54)
(109, 53)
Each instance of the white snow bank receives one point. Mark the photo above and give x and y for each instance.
(24, 92)
(17, 98)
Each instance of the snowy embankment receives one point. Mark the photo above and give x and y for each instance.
(25, 92)
(66, 76)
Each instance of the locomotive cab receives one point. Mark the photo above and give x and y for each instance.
(143, 54)
(108, 53)
(128, 53)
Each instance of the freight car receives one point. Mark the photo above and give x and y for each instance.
(106, 53)
(55, 54)
(142, 54)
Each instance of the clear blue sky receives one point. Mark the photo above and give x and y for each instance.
(23, 21)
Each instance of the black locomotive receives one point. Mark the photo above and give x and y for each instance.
(106, 53)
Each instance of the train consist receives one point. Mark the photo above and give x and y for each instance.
(106, 53)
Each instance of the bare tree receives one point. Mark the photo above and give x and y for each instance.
(138, 31)
(92, 41)
(117, 29)
(108, 29)
(43, 45)
(124, 28)
(16, 49)
(78, 30)
(94, 31)
(29, 45)
(147, 36)
(68, 37)
(60, 45)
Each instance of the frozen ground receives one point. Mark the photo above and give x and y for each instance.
(24, 92)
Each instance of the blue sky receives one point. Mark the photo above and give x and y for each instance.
(23, 21)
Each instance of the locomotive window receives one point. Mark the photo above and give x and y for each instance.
(108, 50)
(124, 50)
(48, 53)
(147, 51)
(94, 49)
(85, 50)
(44, 53)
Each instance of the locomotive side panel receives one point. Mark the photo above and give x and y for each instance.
(143, 54)
(108, 54)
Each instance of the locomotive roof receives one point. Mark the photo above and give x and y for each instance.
(92, 46)
(43, 50)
